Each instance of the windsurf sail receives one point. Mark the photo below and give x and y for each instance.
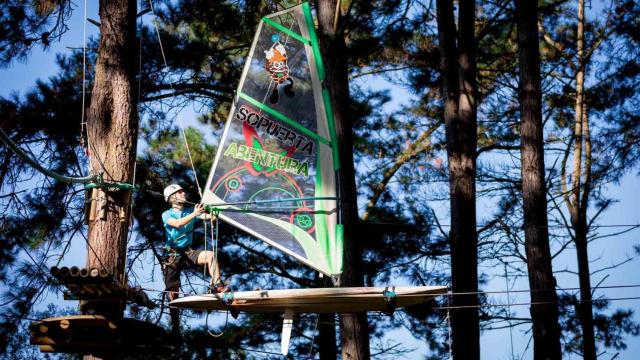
(274, 173)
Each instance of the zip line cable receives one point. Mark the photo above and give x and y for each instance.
(557, 226)
(266, 209)
(534, 303)
(449, 294)
(623, 286)
(213, 207)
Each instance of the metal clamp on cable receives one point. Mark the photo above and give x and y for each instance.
(390, 300)
(227, 298)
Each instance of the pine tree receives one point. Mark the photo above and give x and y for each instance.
(544, 307)
(458, 66)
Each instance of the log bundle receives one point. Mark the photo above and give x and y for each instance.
(97, 335)
(97, 285)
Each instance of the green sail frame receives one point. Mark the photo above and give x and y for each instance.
(279, 145)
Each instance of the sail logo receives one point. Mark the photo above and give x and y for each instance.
(287, 136)
(278, 69)
(267, 159)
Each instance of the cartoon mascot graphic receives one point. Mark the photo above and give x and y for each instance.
(276, 65)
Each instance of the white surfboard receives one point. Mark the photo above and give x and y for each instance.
(322, 300)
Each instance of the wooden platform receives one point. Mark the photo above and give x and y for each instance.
(95, 334)
(323, 300)
(98, 285)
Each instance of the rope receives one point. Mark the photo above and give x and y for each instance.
(89, 149)
(91, 181)
(206, 324)
(336, 16)
(214, 207)
(315, 328)
(214, 246)
(26, 158)
(215, 243)
(186, 143)
(83, 122)
(206, 264)
(166, 68)
(449, 328)
(313, 339)
(153, 11)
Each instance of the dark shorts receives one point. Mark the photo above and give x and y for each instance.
(175, 262)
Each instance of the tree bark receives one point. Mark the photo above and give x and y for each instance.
(585, 308)
(112, 123)
(354, 332)
(458, 67)
(580, 196)
(327, 337)
(544, 308)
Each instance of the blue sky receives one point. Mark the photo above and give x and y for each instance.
(19, 77)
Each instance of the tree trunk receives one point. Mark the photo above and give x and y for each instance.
(112, 123)
(327, 337)
(458, 67)
(585, 308)
(580, 196)
(544, 308)
(354, 332)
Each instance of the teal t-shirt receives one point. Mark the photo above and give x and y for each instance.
(178, 238)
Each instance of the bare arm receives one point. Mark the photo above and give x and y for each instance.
(178, 223)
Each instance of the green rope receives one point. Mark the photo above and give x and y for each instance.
(109, 185)
(25, 157)
(92, 181)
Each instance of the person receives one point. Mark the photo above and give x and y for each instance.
(179, 223)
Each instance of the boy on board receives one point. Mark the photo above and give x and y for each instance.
(178, 223)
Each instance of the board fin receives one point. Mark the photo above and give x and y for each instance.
(287, 324)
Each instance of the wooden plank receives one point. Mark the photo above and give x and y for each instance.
(84, 348)
(41, 340)
(324, 300)
(91, 320)
(96, 334)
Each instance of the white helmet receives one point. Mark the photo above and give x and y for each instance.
(170, 190)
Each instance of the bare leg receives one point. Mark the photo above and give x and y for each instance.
(206, 257)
